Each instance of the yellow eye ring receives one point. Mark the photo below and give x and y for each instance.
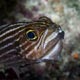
(31, 35)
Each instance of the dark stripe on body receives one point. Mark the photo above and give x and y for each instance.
(7, 27)
(10, 40)
(6, 58)
(3, 26)
(11, 32)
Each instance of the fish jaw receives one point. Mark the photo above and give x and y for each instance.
(54, 53)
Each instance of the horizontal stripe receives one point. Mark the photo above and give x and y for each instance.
(7, 42)
(7, 33)
(5, 46)
(12, 36)
(7, 38)
(4, 26)
(11, 26)
(7, 57)
(12, 50)
(12, 60)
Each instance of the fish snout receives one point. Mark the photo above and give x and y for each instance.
(61, 33)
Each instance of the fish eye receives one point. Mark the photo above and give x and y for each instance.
(31, 35)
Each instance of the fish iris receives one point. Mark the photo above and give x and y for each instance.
(31, 35)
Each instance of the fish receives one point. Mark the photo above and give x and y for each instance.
(37, 40)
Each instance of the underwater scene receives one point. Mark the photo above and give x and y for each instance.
(39, 39)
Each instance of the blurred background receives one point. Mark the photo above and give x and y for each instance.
(63, 12)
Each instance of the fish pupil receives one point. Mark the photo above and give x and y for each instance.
(31, 35)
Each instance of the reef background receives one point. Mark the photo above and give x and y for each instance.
(63, 12)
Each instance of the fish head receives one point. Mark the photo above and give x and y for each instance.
(42, 39)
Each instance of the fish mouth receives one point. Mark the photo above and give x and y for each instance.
(53, 46)
(53, 54)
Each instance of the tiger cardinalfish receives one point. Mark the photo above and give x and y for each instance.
(36, 40)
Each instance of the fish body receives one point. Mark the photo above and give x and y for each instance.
(35, 40)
